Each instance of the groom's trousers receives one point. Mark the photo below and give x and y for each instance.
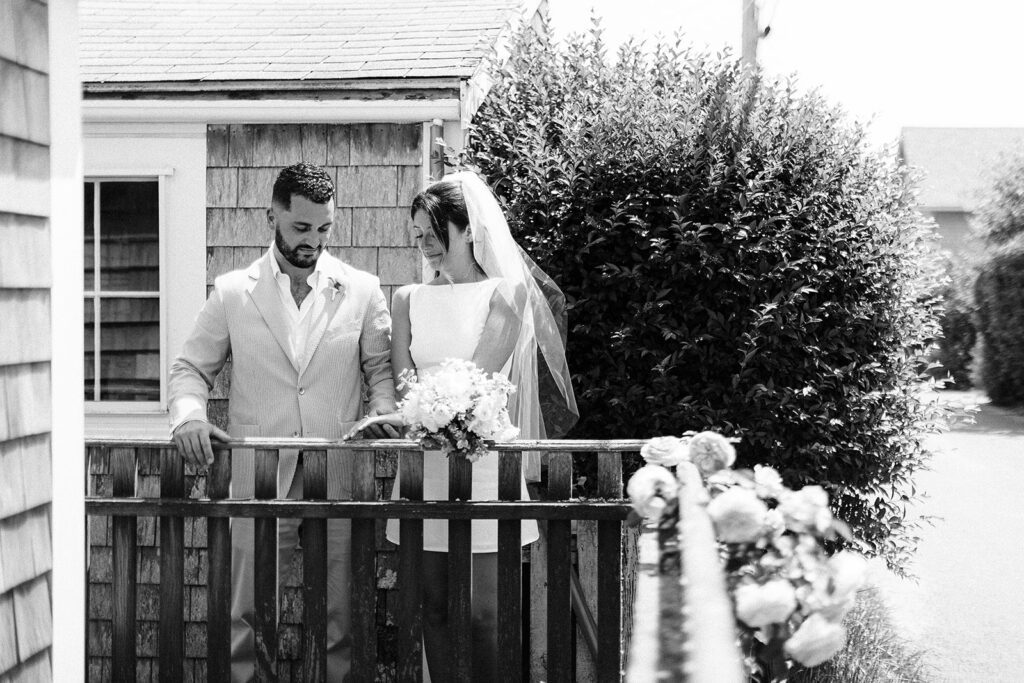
(339, 573)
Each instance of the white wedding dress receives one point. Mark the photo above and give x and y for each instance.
(446, 322)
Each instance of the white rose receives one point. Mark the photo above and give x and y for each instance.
(649, 488)
(849, 571)
(775, 522)
(486, 413)
(768, 482)
(759, 605)
(457, 389)
(410, 407)
(711, 452)
(833, 591)
(806, 509)
(738, 514)
(816, 641)
(665, 450)
(437, 415)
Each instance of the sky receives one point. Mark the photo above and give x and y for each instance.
(894, 63)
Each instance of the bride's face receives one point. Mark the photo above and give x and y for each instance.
(456, 256)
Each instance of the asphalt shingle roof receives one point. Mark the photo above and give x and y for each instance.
(958, 163)
(227, 40)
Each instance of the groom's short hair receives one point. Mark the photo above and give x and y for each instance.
(305, 180)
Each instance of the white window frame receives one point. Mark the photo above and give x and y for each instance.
(175, 155)
(114, 407)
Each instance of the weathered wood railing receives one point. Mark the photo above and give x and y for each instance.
(683, 624)
(172, 507)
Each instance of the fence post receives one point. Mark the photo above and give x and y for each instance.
(460, 558)
(218, 590)
(609, 575)
(364, 572)
(410, 565)
(314, 571)
(122, 466)
(172, 570)
(265, 570)
(559, 566)
(510, 571)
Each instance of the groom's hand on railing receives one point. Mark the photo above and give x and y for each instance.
(193, 441)
(374, 426)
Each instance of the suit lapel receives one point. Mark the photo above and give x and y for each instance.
(333, 286)
(264, 292)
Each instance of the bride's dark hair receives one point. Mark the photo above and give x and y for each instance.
(443, 202)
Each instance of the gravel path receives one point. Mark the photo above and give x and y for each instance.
(968, 606)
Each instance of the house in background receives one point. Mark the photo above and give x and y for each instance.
(957, 165)
(190, 110)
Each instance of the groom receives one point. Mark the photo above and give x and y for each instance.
(304, 332)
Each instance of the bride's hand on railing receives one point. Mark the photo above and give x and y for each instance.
(386, 426)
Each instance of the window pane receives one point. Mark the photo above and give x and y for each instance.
(129, 236)
(90, 285)
(129, 349)
(90, 394)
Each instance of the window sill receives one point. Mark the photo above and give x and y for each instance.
(147, 424)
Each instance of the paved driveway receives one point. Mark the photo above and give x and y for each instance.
(968, 607)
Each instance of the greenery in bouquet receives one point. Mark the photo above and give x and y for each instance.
(457, 408)
(790, 596)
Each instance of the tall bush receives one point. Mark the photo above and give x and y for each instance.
(999, 289)
(734, 257)
(953, 355)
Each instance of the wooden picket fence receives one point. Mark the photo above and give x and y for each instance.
(603, 633)
(173, 507)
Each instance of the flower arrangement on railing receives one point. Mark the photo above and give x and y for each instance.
(457, 408)
(789, 596)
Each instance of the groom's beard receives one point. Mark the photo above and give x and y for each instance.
(299, 257)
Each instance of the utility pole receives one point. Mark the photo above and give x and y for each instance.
(751, 32)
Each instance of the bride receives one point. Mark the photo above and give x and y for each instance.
(489, 303)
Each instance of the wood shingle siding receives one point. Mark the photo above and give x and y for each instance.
(26, 631)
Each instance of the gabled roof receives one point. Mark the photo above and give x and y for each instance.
(957, 162)
(135, 41)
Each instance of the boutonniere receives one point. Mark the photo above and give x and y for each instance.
(337, 288)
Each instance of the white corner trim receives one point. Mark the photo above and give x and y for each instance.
(267, 111)
(67, 447)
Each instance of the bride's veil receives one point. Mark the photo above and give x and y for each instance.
(543, 405)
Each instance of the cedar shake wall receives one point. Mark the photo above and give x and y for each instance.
(25, 474)
(377, 170)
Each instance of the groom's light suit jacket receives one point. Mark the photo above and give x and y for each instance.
(270, 396)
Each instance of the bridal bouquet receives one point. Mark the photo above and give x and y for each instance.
(457, 408)
(788, 594)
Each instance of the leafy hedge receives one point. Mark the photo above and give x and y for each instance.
(734, 257)
(953, 356)
(999, 291)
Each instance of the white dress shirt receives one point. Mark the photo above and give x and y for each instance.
(299, 316)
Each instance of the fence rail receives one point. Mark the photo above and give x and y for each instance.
(173, 506)
(683, 625)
